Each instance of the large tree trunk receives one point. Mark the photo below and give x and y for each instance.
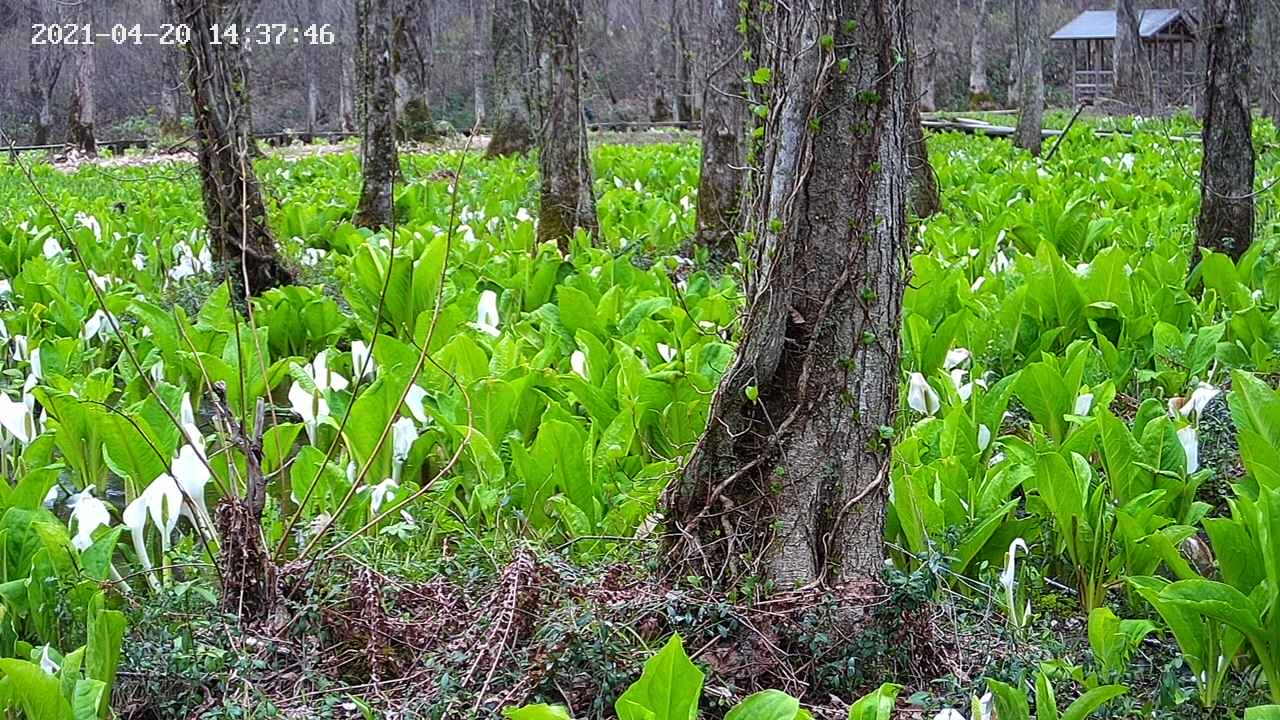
(724, 120)
(80, 120)
(979, 89)
(1127, 57)
(1031, 103)
(232, 202)
(567, 200)
(512, 131)
(926, 19)
(479, 57)
(789, 481)
(380, 159)
(44, 64)
(1226, 172)
(1270, 61)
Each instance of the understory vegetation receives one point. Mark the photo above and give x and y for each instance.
(465, 436)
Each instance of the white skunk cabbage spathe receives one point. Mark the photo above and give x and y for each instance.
(192, 475)
(415, 402)
(984, 437)
(312, 407)
(403, 434)
(1009, 581)
(161, 502)
(578, 361)
(963, 389)
(487, 314)
(955, 358)
(379, 493)
(921, 396)
(16, 417)
(1190, 447)
(1084, 403)
(1199, 400)
(88, 513)
(96, 323)
(1009, 576)
(361, 359)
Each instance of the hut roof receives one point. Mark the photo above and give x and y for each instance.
(1101, 24)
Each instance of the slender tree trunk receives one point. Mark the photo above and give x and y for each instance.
(1031, 104)
(1226, 171)
(1270, 60)
(567, 201)
(240, 13)
(170, 116)
(724, 121)
(511, 66)
(1127, 56)
(381, 161)
(80, 121)
(979, 89)
(170, 82)
(346, 93)
(924, 197)
(659, 108)
(479, 57)
(233, 204)
(683, 67)
(789, 481)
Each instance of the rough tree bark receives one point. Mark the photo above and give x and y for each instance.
(566, 198)
(512, 130)
(979, 88)
(724, 121)
(789, 481)
(479, 55)
(1226, 171)
(1031, 103)
(80, 120)
(1270, 60)
(233, 205)
(1127, 56)
(380, 159)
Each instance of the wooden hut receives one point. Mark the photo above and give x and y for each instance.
(1168, 38)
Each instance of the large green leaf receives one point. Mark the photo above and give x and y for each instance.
(38, 692)
(766, 705)
(877, 705)
(668, 688)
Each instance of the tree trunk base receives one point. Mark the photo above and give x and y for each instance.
(509, 139)
(249, 588)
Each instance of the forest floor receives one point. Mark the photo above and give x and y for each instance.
(72, 162)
